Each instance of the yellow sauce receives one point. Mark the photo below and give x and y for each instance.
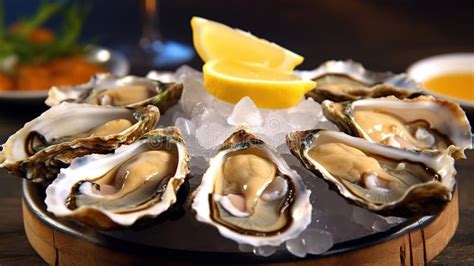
(457, 85)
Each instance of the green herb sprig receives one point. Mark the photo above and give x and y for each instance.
(15, 44)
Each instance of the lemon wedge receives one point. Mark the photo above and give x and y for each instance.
(268, 88)
(213, 40)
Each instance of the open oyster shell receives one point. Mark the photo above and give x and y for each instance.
(129, 91)
(69, 130)
(251, 195)
(348, 80)
(382, 179)
(422, 123)
(138, 181)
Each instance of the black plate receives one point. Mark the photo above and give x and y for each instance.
(143, 240)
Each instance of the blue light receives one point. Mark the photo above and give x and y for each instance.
(170, 53)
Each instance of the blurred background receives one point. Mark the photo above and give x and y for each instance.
(383, 35)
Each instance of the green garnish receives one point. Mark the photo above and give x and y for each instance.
(15, 44)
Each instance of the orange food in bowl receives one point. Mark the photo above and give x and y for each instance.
(6, 82)
(33, 77)
(71, 70)
(56, 72)
(39, 35)
(458, 85)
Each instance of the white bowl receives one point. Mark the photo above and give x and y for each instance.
(430, 67)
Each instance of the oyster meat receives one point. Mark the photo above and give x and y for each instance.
(129, 91)
(69, 130)
(251, 195)
(382, 179)
(347, 80)
(422, 123)
(138, 181)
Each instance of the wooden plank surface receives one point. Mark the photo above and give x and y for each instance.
(14, 246)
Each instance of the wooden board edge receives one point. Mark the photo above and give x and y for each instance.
(416, 247)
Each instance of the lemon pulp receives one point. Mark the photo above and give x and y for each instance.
(268, 88)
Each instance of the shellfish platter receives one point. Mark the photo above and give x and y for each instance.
(144, 159)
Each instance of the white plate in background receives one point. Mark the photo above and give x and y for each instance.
(114, 62)
(427, 68)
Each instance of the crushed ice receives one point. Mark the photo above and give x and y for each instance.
(205, 122)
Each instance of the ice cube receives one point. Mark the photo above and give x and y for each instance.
(245, 111)
(308, 106)
(222, 108)
(186, 126)
(199, 110)
(275, 122)
(207, 114)
(168, 118)
(302, 121)
(317, 241)
(264, 251)
(297, 247)
(197, 166)
(391, 220)
(314, 106)
(194, 93)
(380, 225)
(305, 115)
(274, 140)
(193, 147)
(210, 135)
(186, 71)
(188, 131)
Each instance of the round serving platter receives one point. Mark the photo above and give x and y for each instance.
(177, 238)
(65, 242)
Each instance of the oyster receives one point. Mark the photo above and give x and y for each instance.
(138, 181)
(347, 80)
(382, 179)
(251, 195)
(422, 123)
(129, 91)
(66, 131)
